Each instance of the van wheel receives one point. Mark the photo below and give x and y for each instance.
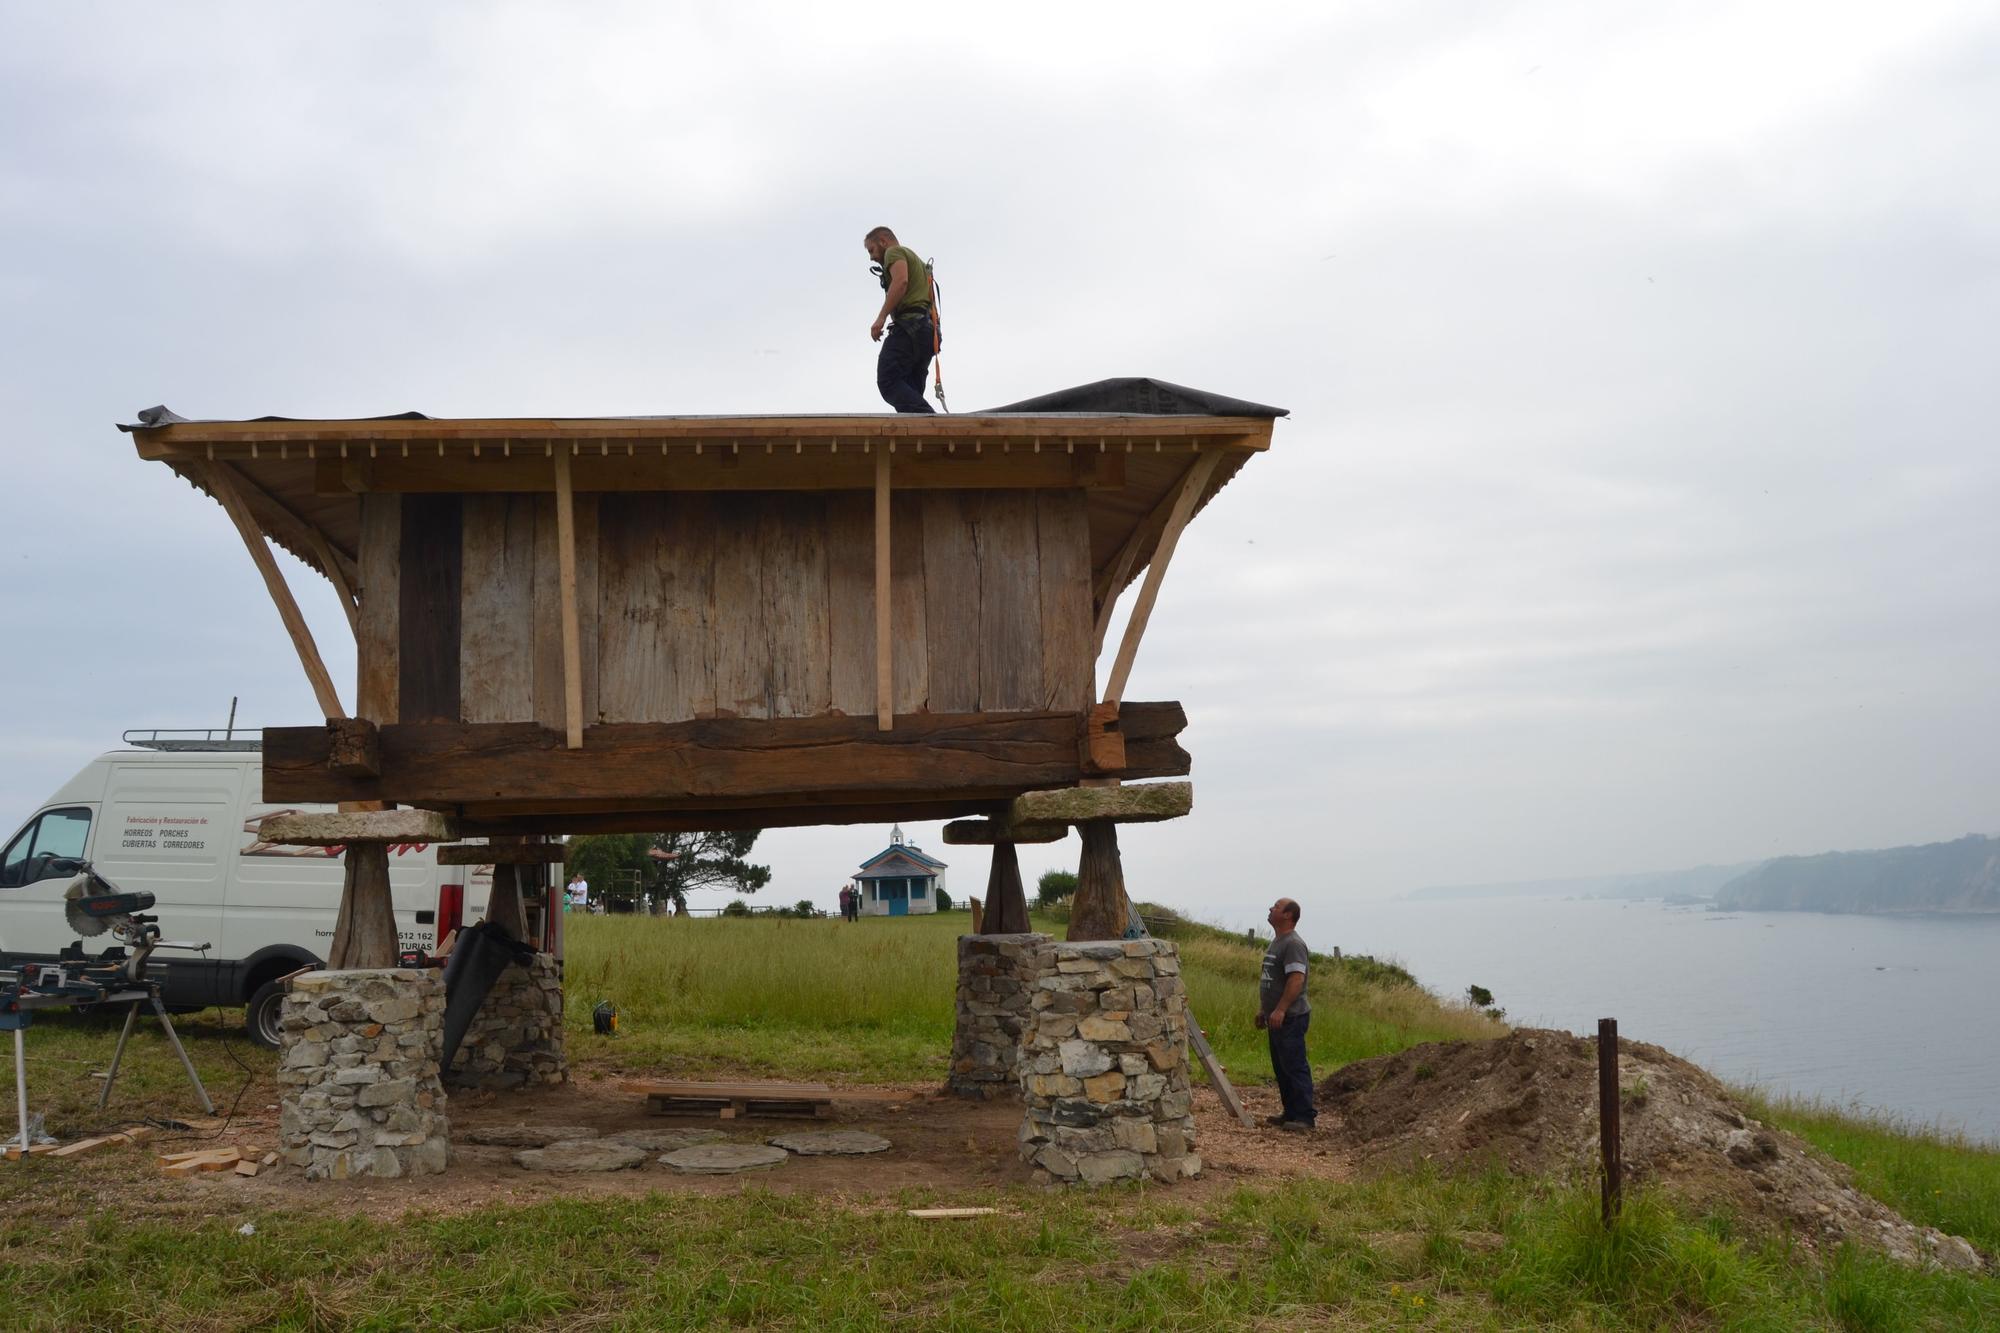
(261, 1015)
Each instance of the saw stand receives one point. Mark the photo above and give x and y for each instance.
(17, 1012)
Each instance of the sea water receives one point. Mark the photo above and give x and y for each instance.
(1892, 1015)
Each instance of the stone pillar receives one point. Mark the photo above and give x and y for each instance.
(516, 1038)
(1104, 1068)
(359, 1053)
(996, 977)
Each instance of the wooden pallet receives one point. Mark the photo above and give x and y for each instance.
(733, 1101)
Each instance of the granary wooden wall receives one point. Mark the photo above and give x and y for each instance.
(460, 605)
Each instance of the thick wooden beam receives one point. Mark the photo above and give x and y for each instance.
(480, 822)
(509, 852)
(1156, 571)
(1006, 911)
(992, 832)
(355, 749)
(784, 468)
(364, 931)
(223, 483)
(885, 642)
(572, 637)
(720, 763)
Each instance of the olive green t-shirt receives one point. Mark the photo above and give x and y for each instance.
(918, 297)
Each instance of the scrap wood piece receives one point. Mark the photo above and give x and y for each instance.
(85, 1145)
(34, 1150)
(215, 1159)
(950, 1214)
(248, 1168)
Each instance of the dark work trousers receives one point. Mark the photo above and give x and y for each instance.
(903, 362)
(1288, 1062)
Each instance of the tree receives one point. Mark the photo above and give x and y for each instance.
(685, 862)
(670, 865)
(943, 900)
(805, 908)
(1053, 887)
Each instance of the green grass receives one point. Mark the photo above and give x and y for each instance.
(1933, 1178)
(873, 999)
(792, 998)
(1426, 1251)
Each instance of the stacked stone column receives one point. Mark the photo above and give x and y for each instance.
(1104, 1067)
(996, 979)
(516, 1039)
(359, 1056)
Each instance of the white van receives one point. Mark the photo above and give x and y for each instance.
(178, 819)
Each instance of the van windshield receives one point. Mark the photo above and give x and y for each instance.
(57, 833)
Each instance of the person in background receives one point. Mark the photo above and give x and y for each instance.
(845, 904)
(578, 893)
(1284, 1013)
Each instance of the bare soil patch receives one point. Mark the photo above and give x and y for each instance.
(1528, 1102)
(943, 1148)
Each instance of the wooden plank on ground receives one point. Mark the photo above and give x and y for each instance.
(949, 1214)
(725, 1091)
(1223, 1088)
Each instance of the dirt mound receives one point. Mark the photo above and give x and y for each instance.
(1528, 1102)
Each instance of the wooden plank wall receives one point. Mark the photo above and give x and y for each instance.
(461, 611)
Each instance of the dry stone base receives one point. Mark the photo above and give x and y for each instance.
(996, 976)
(663, 1140)
(1104, 1066)
(516, 1038)
(359, 1058)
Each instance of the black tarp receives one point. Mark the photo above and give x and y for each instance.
(1135, 393)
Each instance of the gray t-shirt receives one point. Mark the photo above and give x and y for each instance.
(1284, 957)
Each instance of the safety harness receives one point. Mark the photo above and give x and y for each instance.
(937, 325)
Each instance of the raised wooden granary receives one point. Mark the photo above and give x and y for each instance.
(661, 623)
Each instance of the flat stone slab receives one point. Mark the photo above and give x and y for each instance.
(527, 1136)
(578, 1155)
(721, 1159)
(665, 1140)
(830, 1142)
(332, 829)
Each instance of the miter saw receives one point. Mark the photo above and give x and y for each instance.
(94, 906)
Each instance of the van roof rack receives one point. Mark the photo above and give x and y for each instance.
(195, 738)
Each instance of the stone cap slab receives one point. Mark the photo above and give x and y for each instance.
(335, 829)
(1045, 816)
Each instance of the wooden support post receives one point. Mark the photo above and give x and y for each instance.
(885, 665)
(1192, 486)
(1006, 901)
(572, 637)
(224, 486)
(364, 934)
(1607, 1117)
(1100, 909)
(504, 906)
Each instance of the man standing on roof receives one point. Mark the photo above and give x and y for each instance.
(910, 342)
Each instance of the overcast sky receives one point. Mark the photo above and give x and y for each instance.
(1637, 508)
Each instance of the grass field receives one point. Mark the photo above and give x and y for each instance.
(872, 1001)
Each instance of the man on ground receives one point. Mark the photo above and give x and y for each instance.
(906, 297)
(1284, 1013)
